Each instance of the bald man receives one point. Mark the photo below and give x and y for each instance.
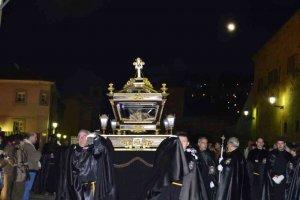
(87, 172)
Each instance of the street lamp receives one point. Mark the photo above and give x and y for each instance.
(58, 135)
(103, 121)
(171, 121)
(65, 137)
(246, 113)
(54, 126)
(166, 124)
(113, 124)
(273, 100)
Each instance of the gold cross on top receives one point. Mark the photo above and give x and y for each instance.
(138, 63)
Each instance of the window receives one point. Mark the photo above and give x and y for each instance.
(21, 97)
(293, 64)
(18, 125)
(260, 85)
(297, 126)
(285, 127)
(44, 98)
(273, 77)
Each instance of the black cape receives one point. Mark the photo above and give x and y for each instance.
(47, 178)
(257, 172)
(171, 165)
(208, 168)
(234, 183)
(294, 191)
(70, 186)
(271, 171)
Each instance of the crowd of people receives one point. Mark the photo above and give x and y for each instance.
(231, 173)
(270, 171)
(256, 173)
(84, 171)
(24, 168)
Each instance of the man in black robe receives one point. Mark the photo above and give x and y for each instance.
(257, 159)
(279, 172)
(47, 179)
(234, 182)
(207, 165)
(294, 188)
(86, 171)
(176, 174)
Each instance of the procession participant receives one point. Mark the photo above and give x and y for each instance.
(234, 182)
(279, 171)
(47, 178)
(86, 172)
(176, 174)
(248, 148)
(294, 188)
(217, 151)
(256, 167)
(207, 166)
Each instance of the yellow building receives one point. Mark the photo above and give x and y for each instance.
(26, 105)
(277, 75)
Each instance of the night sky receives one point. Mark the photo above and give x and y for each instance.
(53, 38)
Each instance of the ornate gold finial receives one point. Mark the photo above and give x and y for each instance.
(111, 89)
(139, 63)
(164, 89)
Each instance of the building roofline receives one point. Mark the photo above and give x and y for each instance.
(276, 34)
(26, 81)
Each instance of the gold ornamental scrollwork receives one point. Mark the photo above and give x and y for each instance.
(138, 96)
(137, 144)
(127, 144)
(148, 83)
(147, 143)
(138, 129)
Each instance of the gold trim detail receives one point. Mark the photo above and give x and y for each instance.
(119, 166)
(137, 143)
(177, 184)
(93, 183)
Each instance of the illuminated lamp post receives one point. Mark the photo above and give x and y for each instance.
(103, 120)
(171, 122)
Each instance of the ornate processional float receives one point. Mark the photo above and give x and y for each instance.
(137, 109)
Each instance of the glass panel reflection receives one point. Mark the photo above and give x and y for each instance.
(134, 111)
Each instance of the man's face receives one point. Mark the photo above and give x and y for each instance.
(280, 145)
(260, 143)
(33, 138)
(217, 146)
(230, 147)
(250, 143)
(82, 139)
(202, 143)
(184, 142)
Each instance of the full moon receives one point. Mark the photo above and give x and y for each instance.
(231, 27)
